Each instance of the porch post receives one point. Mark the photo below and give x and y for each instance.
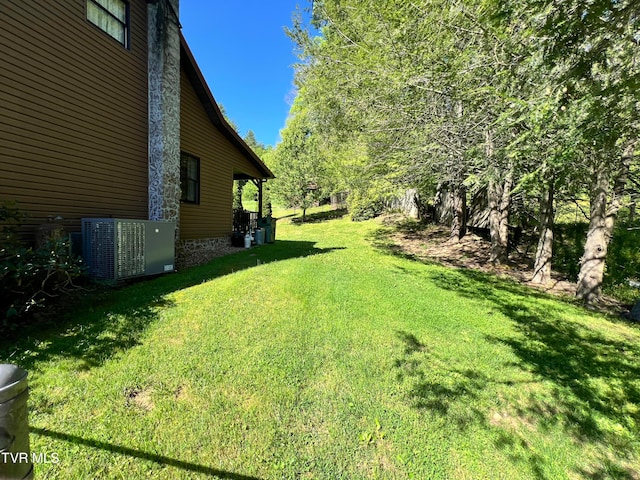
(260, 198)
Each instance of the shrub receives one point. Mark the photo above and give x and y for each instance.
(623, 263)
(364, 205)
(30, 277)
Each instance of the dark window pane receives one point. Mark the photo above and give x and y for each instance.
(190, 178)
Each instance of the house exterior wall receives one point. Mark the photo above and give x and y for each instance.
(74, 118)
(219, 159)
(197, 252)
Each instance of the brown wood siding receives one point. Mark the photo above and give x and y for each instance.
(73, 113)
(219, 158)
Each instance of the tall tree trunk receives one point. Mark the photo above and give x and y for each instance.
(601, 224)
(589, 287)
(459, 211)
(437, 204)
(458, 193)
(499, 197)
(505, 206)
(544, 253)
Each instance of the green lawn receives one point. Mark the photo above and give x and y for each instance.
(323, 356)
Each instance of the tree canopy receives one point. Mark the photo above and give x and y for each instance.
(521, 102)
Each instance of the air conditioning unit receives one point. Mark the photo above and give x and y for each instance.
(116, 249)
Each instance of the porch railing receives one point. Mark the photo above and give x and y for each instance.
(245, 221)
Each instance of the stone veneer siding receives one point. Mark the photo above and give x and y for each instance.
(190, 253)
(164, 110)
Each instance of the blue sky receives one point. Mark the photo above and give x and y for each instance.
(246, 58)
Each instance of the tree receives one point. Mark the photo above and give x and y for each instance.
(298, 167)
(606, 200)
(259, 149)
(226, 117)
(589, 53)
(366, 82)
(526, 97)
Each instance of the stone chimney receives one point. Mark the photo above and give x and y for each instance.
(163, 32)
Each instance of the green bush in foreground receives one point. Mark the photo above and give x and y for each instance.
(30, 277)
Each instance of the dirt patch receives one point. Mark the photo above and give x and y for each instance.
(179, 393)
(430, 243)
(138, 397)
(503, 419)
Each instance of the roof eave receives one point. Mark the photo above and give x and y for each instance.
(190, 66)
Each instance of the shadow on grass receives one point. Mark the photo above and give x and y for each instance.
(320, 216)
(381, 239)
(152, 457)
(593, 369)
(595, 397)
(283, 217)
(102, 323)
(415, 366)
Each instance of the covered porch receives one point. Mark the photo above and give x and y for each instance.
(243, 219)
(250, 220)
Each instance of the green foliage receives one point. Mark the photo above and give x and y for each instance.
(623, 263)
(299, 166)
(623, 257)
(250, 193)
(10, 217)
(365, 204)
(231, 123)
(238, 193)
(540, 92)
(29, 277)
(245, 192)
(568, 247)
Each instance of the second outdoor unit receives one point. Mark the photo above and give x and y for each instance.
(116, 249)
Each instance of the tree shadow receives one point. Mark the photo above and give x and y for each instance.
(456, 395)
(285, 216)
(382, 239)
(152, 457)
(101, 323)
(608, 470)
(426, 391)
(593, 369)
(318, 217)
(570, 353)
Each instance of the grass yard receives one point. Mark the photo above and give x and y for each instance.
(322, 356)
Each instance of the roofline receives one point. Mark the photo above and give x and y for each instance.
(188, 62)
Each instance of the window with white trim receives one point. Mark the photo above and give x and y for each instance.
(111, 16)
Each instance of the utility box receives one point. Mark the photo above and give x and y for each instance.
(117, 249)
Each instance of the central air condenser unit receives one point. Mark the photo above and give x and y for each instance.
(116, 249)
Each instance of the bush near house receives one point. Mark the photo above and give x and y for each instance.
(30, 277)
